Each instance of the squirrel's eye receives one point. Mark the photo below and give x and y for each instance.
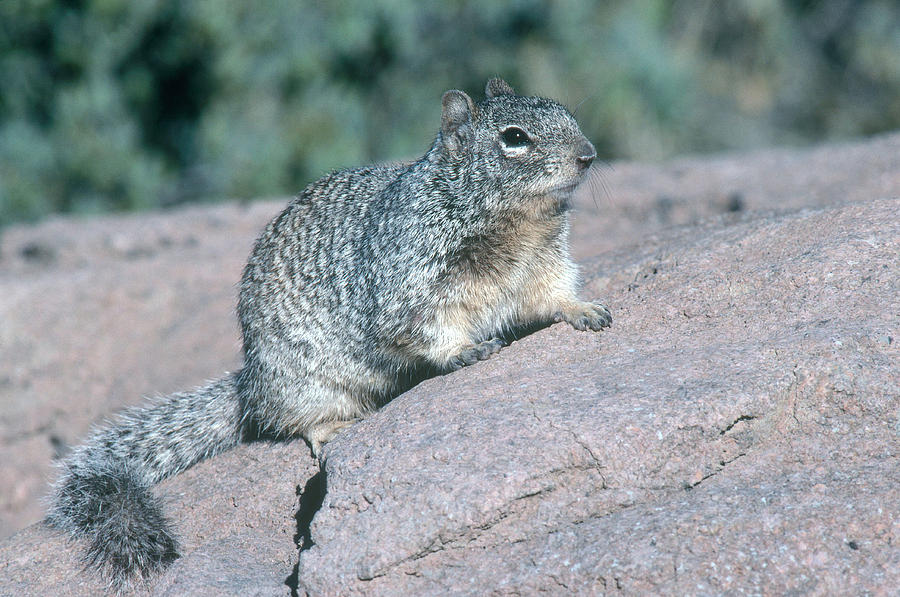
(515, 137)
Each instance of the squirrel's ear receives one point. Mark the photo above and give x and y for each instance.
(457, 111)
(497, 87)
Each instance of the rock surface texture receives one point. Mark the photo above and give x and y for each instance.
(736, 431)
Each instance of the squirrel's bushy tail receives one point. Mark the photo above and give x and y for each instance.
(104, 496)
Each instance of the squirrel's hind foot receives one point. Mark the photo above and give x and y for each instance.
(322, 433)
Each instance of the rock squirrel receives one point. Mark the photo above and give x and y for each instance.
(367, 275)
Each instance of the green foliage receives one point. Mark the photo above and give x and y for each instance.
(117, 104)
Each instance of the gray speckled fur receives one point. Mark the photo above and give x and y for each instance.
(367, 275)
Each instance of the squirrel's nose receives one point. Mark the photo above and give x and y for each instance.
(585, 154)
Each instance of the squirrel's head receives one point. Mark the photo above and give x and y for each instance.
(523, 146)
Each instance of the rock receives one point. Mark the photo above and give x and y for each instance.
(737, 426)
(736, 430)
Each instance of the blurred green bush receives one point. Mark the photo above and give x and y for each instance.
(124, 104)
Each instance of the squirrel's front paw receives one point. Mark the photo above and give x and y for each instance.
(477, 352)
(585, 316)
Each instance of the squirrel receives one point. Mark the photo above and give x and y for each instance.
(368, 274)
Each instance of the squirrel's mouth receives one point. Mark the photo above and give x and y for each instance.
(565, 190)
